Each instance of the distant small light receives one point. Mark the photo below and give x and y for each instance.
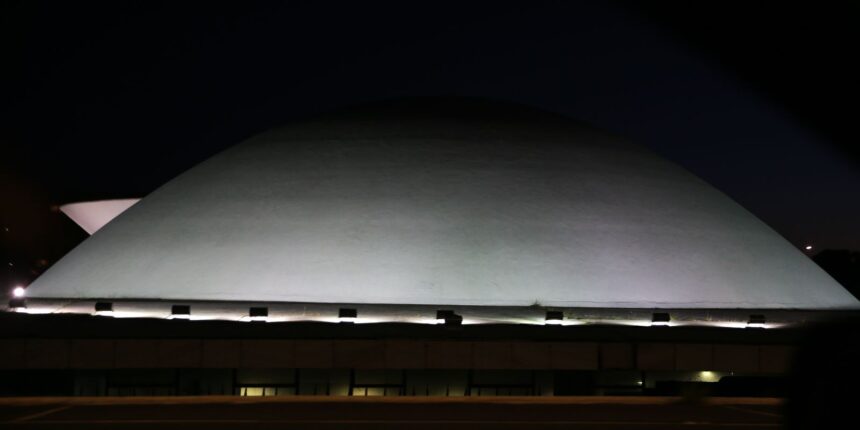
(180, 312)
(639, 382)
(19, 291)
(347, 315)
(554, 318)
(756, 321)
(660, 319)
(808, 247)
(104, 309)
(443, 315)
(258, 314)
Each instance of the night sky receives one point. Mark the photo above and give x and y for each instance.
(113, 99)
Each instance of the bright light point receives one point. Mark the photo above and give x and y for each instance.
(639, 382)
(634, 323)
(723, 324)
(19, 291)
(104, 313)
(808, 247)
(35, 311)
(347, 319)
(660, 324)
(553, 322)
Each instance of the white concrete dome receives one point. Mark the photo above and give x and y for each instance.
(428, 203)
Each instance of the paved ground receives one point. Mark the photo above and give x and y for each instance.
(212, 413)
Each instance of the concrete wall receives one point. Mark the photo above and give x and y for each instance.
(389, 354)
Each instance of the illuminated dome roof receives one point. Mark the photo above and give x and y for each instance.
(430, 203)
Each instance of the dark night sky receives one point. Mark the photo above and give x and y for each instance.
(108, 100)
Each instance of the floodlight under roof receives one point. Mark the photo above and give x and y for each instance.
(453, 320)
(756, 321)
(660, 319)
(443, 315)
(554, 317)
(180, 312)
(104, 309)
(258, 313)
(347, 315)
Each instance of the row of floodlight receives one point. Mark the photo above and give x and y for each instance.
(663, 319)
(350, 315)
(344, 315)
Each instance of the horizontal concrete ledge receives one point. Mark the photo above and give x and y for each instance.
(729, 316)
(70, 326)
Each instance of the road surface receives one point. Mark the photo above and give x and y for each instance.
(260, 413)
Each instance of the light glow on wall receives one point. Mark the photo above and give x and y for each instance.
(384, 314)
(34, 311)
(708, 376)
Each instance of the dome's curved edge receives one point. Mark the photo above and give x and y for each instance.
(573, 304)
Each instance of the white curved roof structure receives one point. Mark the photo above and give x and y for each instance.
(490, 205)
